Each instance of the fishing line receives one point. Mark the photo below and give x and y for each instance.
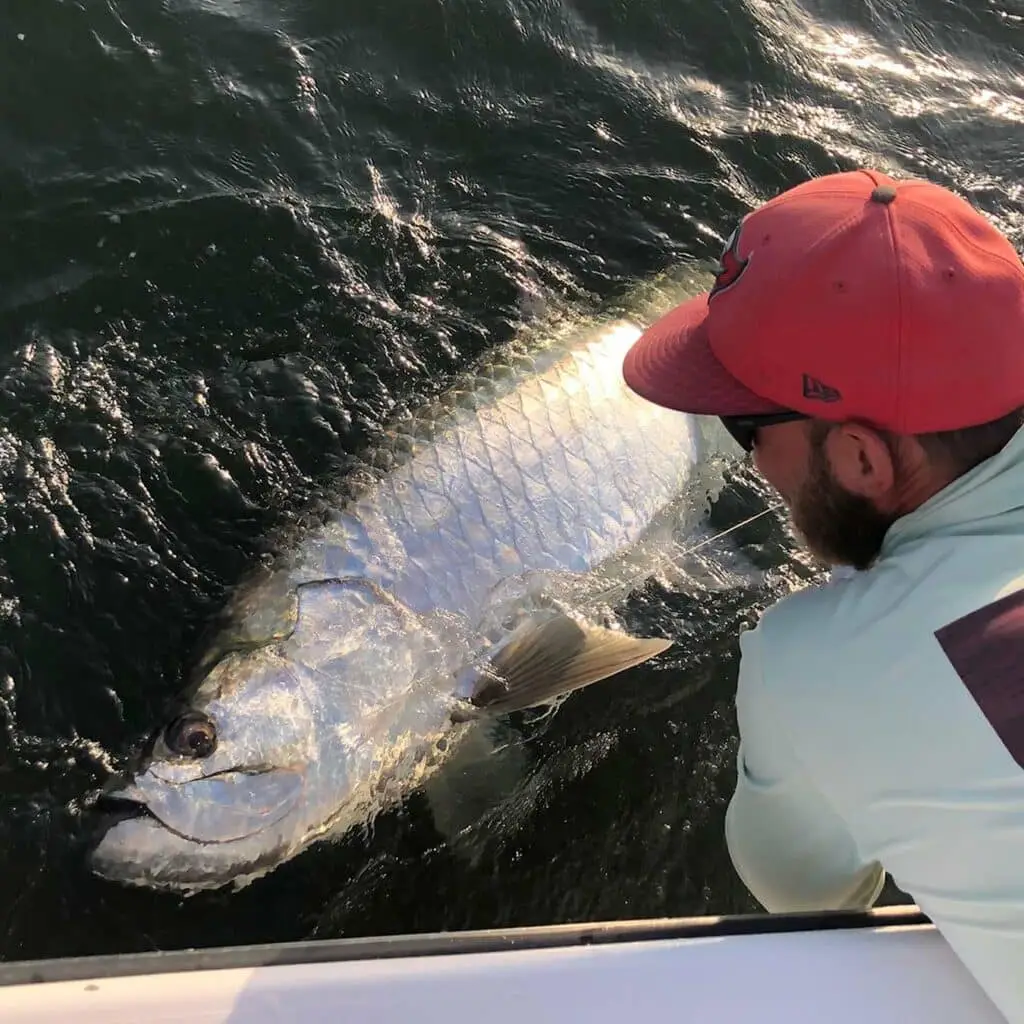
(737, 526)
(685, 552)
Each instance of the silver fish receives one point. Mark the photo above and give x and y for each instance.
(471, 579)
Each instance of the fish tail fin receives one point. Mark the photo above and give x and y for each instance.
(546, 660)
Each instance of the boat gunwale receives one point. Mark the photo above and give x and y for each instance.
(491, 940)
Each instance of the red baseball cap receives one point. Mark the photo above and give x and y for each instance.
(850, 297)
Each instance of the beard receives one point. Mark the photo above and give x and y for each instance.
(837, 526)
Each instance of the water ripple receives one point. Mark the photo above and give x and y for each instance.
(239, 233)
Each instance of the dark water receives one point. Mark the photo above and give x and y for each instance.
(233, 233)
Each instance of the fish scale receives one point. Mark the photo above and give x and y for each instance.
(559, 474)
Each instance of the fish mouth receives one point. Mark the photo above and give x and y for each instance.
(127, 843)
(106, 814)
(109, 814)
(110, 809)
(222, 807)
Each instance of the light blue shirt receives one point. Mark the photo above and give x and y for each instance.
(879, 728)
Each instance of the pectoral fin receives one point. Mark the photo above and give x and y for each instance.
(486, 767)
(547, 659)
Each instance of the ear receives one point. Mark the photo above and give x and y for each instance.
(862, 463)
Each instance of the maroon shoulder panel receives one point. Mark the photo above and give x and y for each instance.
(987, 650)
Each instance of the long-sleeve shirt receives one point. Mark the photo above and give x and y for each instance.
(881, 722)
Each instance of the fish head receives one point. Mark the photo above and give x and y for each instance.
(277, 736)
(219, 789)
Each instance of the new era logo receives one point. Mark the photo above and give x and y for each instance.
(819, 391)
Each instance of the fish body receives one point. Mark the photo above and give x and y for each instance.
(464, 582)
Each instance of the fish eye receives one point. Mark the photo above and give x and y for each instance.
(192, 734)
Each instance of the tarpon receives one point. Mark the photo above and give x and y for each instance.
(473, 578)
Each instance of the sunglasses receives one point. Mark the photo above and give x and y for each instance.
(743, 429)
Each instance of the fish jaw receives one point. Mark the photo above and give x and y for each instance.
(141, 851)
(219, 808)
(200, 834)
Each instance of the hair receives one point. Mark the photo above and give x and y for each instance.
(959, 450)
(968, 447)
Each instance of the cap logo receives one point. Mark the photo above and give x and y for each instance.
(730, 266)
(818, 391)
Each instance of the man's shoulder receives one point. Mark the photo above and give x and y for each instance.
(883, 614)
(808, 609)
(813, 630)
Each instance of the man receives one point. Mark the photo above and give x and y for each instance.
(864, 339)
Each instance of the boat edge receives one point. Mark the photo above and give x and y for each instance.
(492, 940)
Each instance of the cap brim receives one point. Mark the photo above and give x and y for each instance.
(672, 365)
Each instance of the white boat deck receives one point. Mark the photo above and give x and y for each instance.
(886, 966)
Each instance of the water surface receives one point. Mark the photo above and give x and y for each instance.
(236, 234)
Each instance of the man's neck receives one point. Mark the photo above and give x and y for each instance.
(921, 478)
